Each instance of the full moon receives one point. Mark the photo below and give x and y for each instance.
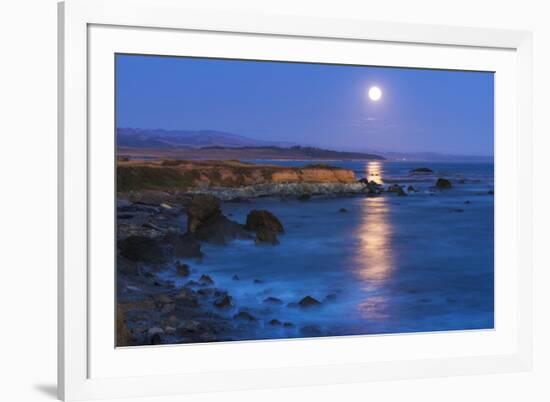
(375, 93)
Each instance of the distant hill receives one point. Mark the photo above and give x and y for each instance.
(210, 144)
(159, 138)
(244, 153)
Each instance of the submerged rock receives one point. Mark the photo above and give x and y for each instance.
(343, 210)
(422, 170)
(443, 183)
(275, 322)
(243, 315)
(273, 300)
(304, 197)
(223, 301)
(309, 301)
(206, 280)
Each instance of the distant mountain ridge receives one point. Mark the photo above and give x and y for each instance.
(205, 144)
(160, 138)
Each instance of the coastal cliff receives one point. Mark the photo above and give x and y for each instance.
(232, 179)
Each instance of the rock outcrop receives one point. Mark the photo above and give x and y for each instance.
(206, 222)
(422, 170)
(143, 249)
(265, 224)
(443, 183)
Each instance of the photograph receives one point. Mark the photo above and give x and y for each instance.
(266, 200)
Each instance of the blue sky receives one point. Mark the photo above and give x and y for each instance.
(311, 104)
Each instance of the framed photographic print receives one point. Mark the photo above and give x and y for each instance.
(257, 201)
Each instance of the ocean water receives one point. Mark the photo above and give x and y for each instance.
(388, 265)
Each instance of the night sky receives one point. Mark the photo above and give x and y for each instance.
(310, 104)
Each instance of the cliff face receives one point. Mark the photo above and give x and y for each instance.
(314, 175)
(189, 175)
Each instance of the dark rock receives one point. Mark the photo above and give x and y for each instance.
(221, 230)
(206, 280)
(342, 210)
(288, 325)
(235, 277)
(182, 269)
(422, 170)
(304, 197)
(309, 301)
(257, 219)
(275, 322)
(223, 301)
(467, 202)
(258, 281)
(140, 248)
(491, 192)
(411, 189)
(396, 188)
(202, 210)
(156, 339)
(155, 335)
(273, 300)
(458, 210)
(266, 235)
(372, 187)
(207, 223)
(183, 246)
(243, 315)
(186, 298)
(443, 183)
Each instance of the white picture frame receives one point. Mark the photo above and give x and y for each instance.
(85, 27)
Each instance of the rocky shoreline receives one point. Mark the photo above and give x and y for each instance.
(159, 231)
